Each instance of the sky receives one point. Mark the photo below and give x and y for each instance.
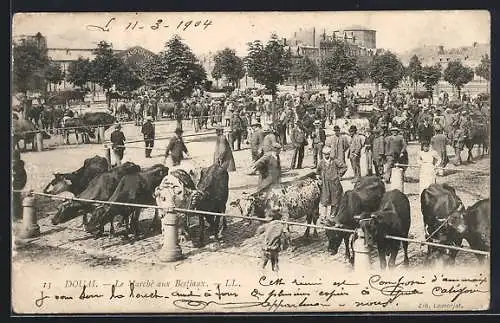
(398, 31)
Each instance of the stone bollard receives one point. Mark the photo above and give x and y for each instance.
(397, 182)
(170, 251)
(100, 135)
(107, 155)
(30, 227)
(39, 141)
(361, 253)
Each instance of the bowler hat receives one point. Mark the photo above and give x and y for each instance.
(178, 130)
(336, 128)
(353, 128)
(118, 126)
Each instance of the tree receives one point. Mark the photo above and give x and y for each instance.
(483, 69)
(458, 75)
(363, 63)
(175, 70)
(305, 70)
(104, 67)
(414, 71)
(228, 65)
(387, 70)
(54, 73)
(30, 62)
(339, 70)
(269, 65)
(430, 76)
(125, 78)
(79, 72)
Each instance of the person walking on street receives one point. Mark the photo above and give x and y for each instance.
(256, 140)
(236, 130)
(355, 152)
(318, 138)
(299, 141)
(269, 138)
(339, 144)
(176, 148)
(395, 150)
(117, 145)
(148, 131)
(378, 152)
(330, 172)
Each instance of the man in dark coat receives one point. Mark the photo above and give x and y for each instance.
(269, 168)
(236, 129)
(299, 142)
(318, 138)
(176, 148)
(223, 154)
(117, 145)
(256, 140)
(148, 131)
(330, 172)
(19, 178)
(395, 151)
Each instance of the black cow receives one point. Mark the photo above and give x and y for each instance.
(100, 188)
(98, 119)
(393, 218)
(78, 127)
(211, 195)
(135, 188)
(361, 201)
(77, 181)
(443, 213)
(478, 222)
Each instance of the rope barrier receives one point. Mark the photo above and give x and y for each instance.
(455, 169)
(250, 218)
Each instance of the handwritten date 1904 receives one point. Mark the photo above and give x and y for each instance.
(158, 24)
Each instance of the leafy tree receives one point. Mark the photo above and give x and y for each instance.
(104, 65)
(228, 65)
(54, 73)
(269, 65)
(483, 69)
(414, 71)
(430, 76)
(305, 70)
(175, 70)
(363, 63)
(79, 72)
(29, 65)
(125, 78)
(458, 75)
(339, 70)
(387, 70)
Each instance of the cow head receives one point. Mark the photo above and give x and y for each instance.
(245, 204)
(60, 183)
(173, 191)
(456, 219)
(372, 228)
(66, 211)
(97, 219)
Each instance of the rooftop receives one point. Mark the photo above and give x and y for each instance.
(355, 27)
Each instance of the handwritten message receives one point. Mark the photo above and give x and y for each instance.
(438, 292)
(114, 23)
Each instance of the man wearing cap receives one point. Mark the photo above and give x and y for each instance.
(148, 131)
(355, 147)
(395, 150)
(269, 168)
(117, 139)
(339, 144)
(330, 172)
(223, 154)
(318, 138)
(176, 148)
(299, 141)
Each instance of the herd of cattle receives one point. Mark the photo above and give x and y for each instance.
(367, 206)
